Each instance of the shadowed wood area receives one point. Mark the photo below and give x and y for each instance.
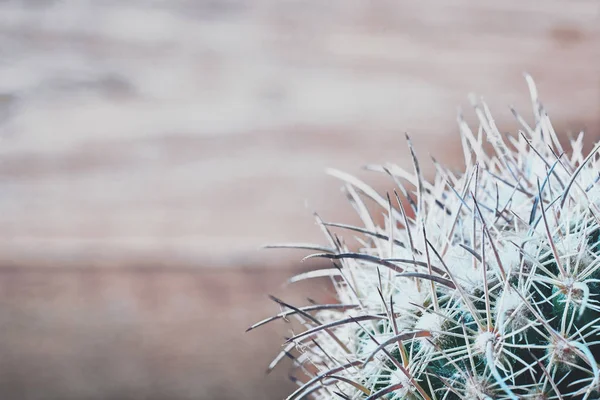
(142, 333)
(149, 147)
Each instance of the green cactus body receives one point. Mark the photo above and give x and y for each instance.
(486, 286)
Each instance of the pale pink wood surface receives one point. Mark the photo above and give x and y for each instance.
(192, 132)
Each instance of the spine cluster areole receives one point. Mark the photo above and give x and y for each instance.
(478, 285)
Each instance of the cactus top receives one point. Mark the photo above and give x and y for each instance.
(478, 285)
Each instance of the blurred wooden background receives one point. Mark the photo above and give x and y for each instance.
(149, 147)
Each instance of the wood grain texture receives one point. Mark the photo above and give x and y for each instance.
(190, 132)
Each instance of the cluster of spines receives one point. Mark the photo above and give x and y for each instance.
(482, 285)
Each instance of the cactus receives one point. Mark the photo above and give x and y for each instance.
(480, 285)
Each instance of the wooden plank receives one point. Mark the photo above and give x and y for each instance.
(189, 132)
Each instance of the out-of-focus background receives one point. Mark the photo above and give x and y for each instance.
(149, 147)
